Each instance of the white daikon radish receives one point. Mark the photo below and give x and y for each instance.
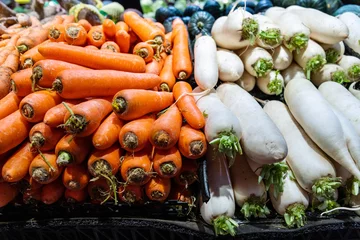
(292, 72)
(329, 72)
(250, 194)
(269, 33)
(264, 142)
(282, 57)
(246, 81)
(343, 101)
(295, 33)
(271, 84)
(231, 68)
(354, 88)
(352, 21)
(311, 58)
(205, 66)
(334, 52)
(324, 28)
(257, 61)
(351, 65)
(319, 121)
(220, 208)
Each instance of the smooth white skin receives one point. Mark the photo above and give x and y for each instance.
(292, 72)
(347, 62)
(219, 117)
(245, 181)
(310, 51)
(282, 57)
(246, 81)
(353, 91)
(263, 82)
(324, 74)
(265, 24)
(343, 101)
(315, 115)
(324, 28)
(251, 56)
(206, 71)
(307, 161)
(291, 194)
(222, 200)
(352, 21)
(262, 141)
(255, 167)
(231, 68)
(340, 47)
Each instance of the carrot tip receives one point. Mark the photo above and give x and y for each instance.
(161, 138)
(37, 140)
(40, 175)
(37, 74)
(57, 85)
(27, 110)
(22, 48)
(73, 185)
(55, 33)
(64, 159)
(136, 175)
(168, 168)
(129, 197)
(182, 75)
(130, 140)
(119, 105)
(164, 87)
(100, 167)
(157, 194)
(28, 63)
(196, 147)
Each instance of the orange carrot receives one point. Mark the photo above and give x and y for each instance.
(133, 37)
(57, 33)
(92, 47)
(187, 105)
(168, 41)
(188, 173)
(158, 189)
(130, 194)
(108, 132)
(8, 193)
(34, 106)
(122, 26)
(43, 168)
(3, 43)
(167, 76)
(110, 46)
(155, 66)
(109, 27)
(21, 82)
(55, 115)
(105, 162)
(75, 34)
(43, 137)
(136, 168)
(74, 196)
(76, 177)
(130, 104)
(165, 131)
(181, 193)
(167, 163)
(145, 51)
(35, 37)
(84, 118)
(13, 130)
(56, 20)
(86, 25)
(12, 61)
(135, 134)
(17, 166)
(93, 58)
(68, 19)
(72, 150)
(160, 26)
(9, 104)
(122, 38)
(192, 142)
(5, 83)
(96, 36)
(30, 57)
(52, 192)
(99, 191)
(182, 65)
(100, 83)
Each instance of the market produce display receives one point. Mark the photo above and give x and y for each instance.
(101, 104)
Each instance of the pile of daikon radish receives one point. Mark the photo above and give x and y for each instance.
(300, 153)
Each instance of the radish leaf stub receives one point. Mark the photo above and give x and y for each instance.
(314, 64)
(263, 66)
(224, 225)
(295, 215)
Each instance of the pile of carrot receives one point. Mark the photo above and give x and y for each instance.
(98, 113)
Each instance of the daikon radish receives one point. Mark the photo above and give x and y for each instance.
(246, 81)
(351, 65)
(352, 21)
(354, 88)
(292, 72)
(269, 33)
(258, 62)
(329, 72)
(231, 68)
(318, 120)
(334, 52)
(264, 142)
(282, 57)
(271, 84)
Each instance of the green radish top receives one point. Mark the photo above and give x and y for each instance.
(271, 36)
(225, 225)
(354, 72)
(250, 28)
(255, 207)
(297, 42)
(263, 66)
(351, 188)
(339, 77)
(295, 215)
(276, 85)
(324, 193)
(314, 64)
(332, 55)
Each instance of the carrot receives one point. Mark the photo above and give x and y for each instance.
(57, 33)
(188, 173)
(55, 115)
(75, 34)
(75, 196)
(17, 166)
(108, 132)
(13, 41)
(6, 36)
(135, 134)
(30, 57)
(92, 47)
(8, 193)
(52, 192)
(165, 131)
(32, 196)
(192, 142)
(9, 104)
(13, 130)
(155, 66)
(122, 38)
(43, 137)
(100, 83)
(45, 72)
(85, 24)
(76, 177)
(3, 43)
(20, 82)
(68, 19)
(2, 163)
(5, 83)
(130, 104)
(136, 168)
(84, 118)
(167, 163)
(12, 61)
(130, 194)
(110, 46)
(181, 194)
(145, 51)
(96, 36)
(99, 191)
(43, 168)
(160, 26)
(109, 27)
(167, 76)
(133, 37)
(35, 21)
(93, 58)
(182, 65)
(158, 189)
(4, 54)
(34, 106)
(35, 37)
(72, 150)
(105, 162)
(121, 26)
(56, 20)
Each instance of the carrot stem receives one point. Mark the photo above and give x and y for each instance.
(64, 159)
(47, 162)
(27, 110)
(37, 140)
(75, 123)
(22, 48)
(164, 87)
(119, 105)
(40, 174)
